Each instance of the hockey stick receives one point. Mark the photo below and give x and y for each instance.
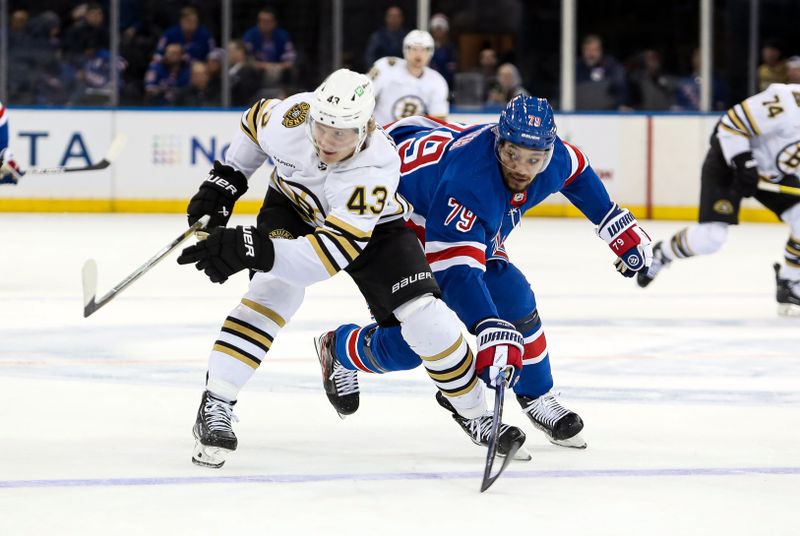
(111, 155)
(89, 272)
(497, 416)
(778, 188)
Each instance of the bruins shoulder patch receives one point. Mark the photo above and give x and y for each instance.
(296, 115)
(392, 60)
(281, 233)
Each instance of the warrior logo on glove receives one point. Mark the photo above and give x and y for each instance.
(627, 240)
(500, 349)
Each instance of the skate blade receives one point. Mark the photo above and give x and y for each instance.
(574, 442)
(788, 309)
(522, 455)
(207, 456)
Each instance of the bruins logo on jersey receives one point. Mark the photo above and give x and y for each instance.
(280, 233)
(296, 115)
(723, 206)
(788, 159)
(408, 106)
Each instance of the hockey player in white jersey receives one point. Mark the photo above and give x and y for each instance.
(331, 205)
(406, 87)
(756, 143)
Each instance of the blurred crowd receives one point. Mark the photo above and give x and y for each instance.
(57, 60)
(59, 54)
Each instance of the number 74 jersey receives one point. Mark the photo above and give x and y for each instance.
(768, 124)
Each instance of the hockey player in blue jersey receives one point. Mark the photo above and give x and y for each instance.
(9, 170)
(470, 186)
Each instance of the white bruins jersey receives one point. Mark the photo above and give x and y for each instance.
(768, 124)
(400, 94)
(342, 201)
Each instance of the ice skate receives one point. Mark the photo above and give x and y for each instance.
(213, 431)
(341, 384)
(644, 278)
(478, 430)
(788, 294)
(561, 426)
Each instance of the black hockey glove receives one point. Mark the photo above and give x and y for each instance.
(217, 195)
(745, 175)
(227, 251)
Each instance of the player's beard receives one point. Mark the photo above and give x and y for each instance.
(516, 182)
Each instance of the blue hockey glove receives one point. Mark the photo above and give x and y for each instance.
(627, 240)
(500, 349)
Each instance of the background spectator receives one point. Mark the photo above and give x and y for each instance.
(445, 56)
(487, 68)
(245, 76)
(772, 68)
(272, 49)
(200, 92)
(599, 78)
(650, 88)
(95, 76)
(687, 96)
(196, 41)
(166, 77)
(88, 34)
(388, 41)
(793, 70)
(507, 85)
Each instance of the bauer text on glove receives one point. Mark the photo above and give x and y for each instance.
(217, 195)
(227, 251)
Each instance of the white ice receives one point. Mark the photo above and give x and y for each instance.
(689, 390)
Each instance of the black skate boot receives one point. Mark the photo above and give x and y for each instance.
(213, 431)
(341, 384)
(478, 430)
(645, 277)
(561, 426)
(788, 294)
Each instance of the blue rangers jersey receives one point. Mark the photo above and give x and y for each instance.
(463, 211)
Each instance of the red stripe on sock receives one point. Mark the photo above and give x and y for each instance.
(535, 347)
(352, 353)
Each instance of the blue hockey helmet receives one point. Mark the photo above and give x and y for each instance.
(528, 122)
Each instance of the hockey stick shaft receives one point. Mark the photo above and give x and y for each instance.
(91, 305)
(497, 417)
(108, 159)
(778, 188)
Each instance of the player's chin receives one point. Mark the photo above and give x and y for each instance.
(517, 186)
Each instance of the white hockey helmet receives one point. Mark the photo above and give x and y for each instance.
(418, 38)
(345, 99)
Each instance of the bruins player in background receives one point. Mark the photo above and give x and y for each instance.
(331, 205)
(406, 87)
(756, 140)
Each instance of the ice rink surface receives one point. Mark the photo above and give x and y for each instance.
(690, 391)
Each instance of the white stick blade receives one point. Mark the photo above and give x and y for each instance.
(89, 278)
(116, 147)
